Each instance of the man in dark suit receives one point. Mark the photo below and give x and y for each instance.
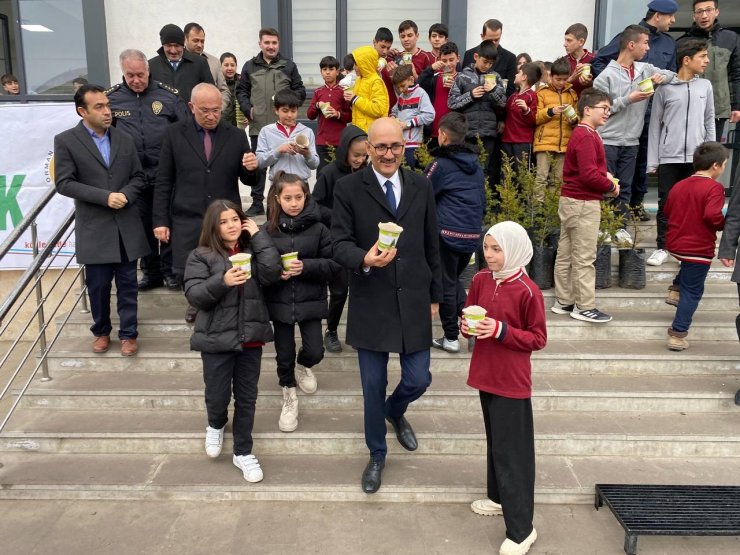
(505, 64)
(176, 66)
(201, 160)
(393, 294)
(97, 166)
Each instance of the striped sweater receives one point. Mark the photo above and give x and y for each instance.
(414, 108)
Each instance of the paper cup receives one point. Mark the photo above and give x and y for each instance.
(586, 70)
(324, 107)
(447, 80)
(473, 315)
(382, 62)
(388, 234)
(646, 85)
(407, 57)
(301, 140)
(287, 258)
(350, 90)
(505, 83)
(570, 112)
(490, 78)
(242, 260)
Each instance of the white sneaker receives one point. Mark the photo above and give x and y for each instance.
(306, 379)
(446, 345)
(289, 415)
(250, 467)
(623, 238)
(512, 548)
(657, 258)
(486, 507)
(214, 441)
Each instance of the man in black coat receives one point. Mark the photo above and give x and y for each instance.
(176, 66)
(505, 64)
(393, 294)
(145, 108)
(97, 166)
(201, 160)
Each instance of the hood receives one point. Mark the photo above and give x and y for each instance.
(462, 155)
(366, 60)
(677, 81)
(349, 134)
(310, 215)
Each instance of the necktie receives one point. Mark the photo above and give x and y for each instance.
(174, 65)
(391, 196)
(207, 144)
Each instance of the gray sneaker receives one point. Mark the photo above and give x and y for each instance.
(593, 315)
(446, 345)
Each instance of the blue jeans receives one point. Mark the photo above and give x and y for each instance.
(415, 379)
(690, 281)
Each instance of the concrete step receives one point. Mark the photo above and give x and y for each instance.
(339, 432)
(407, 478)
(342, 390)
(708, 325)
(605, 357)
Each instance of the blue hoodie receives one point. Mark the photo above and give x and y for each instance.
(459, 191)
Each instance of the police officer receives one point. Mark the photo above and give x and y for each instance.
(144, 108)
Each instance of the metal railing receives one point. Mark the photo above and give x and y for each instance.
(30, 283)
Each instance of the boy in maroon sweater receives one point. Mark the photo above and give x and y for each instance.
(585, 182)
(521, 115)
(334, 112)
(437, 81)
(578, 57)
(408, 34)
(694, 211)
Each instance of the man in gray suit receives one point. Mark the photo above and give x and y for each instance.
(97, 166)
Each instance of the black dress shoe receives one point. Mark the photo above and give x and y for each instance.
(147, 283)
(255, 210)
(404, 432)
(172, 283)
(371, 475)
(190, 314)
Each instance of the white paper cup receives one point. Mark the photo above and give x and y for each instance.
(447, 80)
(570, 112)
(287, 259)
(586, 70)
(301, 140)
(242, 260)
(646, 85)
(388, 234)
(382, 62)
(407, 58)
(473, 314)
(324, 107)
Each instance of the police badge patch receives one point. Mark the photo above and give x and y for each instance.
(156, 107)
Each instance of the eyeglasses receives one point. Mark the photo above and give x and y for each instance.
(395, 148)
(704, 11)
(607, 109)
(206, 111)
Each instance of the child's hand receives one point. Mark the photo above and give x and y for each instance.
(585, 79)
(521, 104)
(727, 262)
(250, 227)
(296, 268)
(477, 92)
(558, 109)
(285, 276)
(302, 150)
(391, 65)
(348, 95)
(235, 276)
(488, 86)
(485, 328)
(331, 113)
(658, 78)
(436, 66)
(639, 96)
(286, 148)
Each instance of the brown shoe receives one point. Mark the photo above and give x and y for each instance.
(129, 347)
(101, 344)
(190, 314)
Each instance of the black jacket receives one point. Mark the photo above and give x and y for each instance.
(724, 66)
(505, 65)
(191, 71)
(323, 191)
(229, 316)
(145, 117)
(302, 297)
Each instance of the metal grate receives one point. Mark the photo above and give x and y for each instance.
(654, 510)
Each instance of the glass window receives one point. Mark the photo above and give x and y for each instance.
(53, 38)
(314, 36)
(365, 16)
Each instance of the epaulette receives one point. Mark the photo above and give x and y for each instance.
(114, 88)
(167, 87)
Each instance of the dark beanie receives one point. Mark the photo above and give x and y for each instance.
(171, 33)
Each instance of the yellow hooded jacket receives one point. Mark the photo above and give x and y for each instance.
(371, 97)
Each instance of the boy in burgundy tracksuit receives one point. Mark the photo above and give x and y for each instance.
(521, 115)
(334, 117)
(694, 211)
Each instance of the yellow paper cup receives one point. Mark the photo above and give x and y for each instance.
(646, 85)
(388, 234)
(242, 260)
(324, 107)
(473, 315)
(586, 70)
(287, 259)
(490, 78)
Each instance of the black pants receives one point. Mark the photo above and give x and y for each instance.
(510, 442)
(453, 293)
(668, 176)
(238, 371)
(258, 189)
(621, 162)
(159, 262)
(310, 353)
(323, 152)
(338, 288)
(518, 152)
(99, 278)
(639, 179)
(493, 167)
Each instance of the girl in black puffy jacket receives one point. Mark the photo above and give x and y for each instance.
(295, 226)
(232, 323)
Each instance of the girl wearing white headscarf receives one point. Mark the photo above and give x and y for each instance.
(500, 369)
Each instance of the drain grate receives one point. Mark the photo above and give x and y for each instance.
(652, 510)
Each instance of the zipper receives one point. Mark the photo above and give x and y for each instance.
(686, 130)
(560, 127)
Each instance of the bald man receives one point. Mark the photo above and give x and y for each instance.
(393, 294)
(200, 161)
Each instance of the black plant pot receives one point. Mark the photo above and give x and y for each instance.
(542, 266)
(632, 268)
(603, 266)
